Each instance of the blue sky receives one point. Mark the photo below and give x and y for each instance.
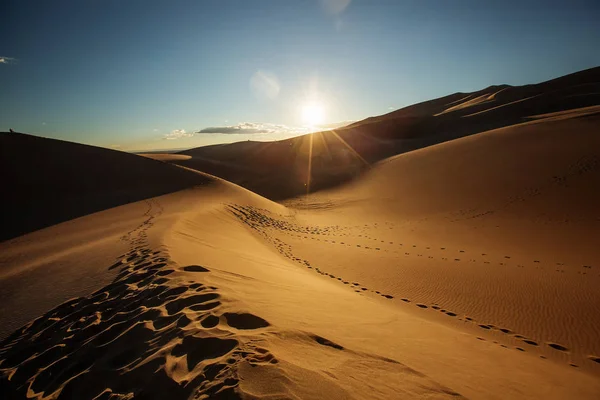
(146, 74)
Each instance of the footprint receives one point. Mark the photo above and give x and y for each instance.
(557, 346)
(179, 304)
(325, 342)
(483, 326)
(195, 268)
(450, 313)
(245, 321)
(530, 342)
(210, 321)
(199, 349)
(594, 359)
(421, 305)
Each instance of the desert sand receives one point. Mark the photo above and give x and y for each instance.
(165, 156)
(467, 268)
(278, 170)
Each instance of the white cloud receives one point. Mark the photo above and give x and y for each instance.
(251, 128)
(7, 60)
(177, 134)
(257, 128)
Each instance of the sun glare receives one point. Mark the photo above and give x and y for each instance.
(313, 113)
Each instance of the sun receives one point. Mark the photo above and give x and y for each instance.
(313, 113)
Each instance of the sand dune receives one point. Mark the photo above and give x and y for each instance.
(278, 170)
(467, 269)
(498, 229)
(165, 156)
(51, 181)
(202, 305)
(162, 329)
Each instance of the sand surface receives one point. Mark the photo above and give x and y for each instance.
(49, 181)
(165, 156)
(467, 269)
(200, 295)
(278, 170)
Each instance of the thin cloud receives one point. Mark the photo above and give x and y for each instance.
(250, 128)
(255, 128)
(7, 60)
(177, 134)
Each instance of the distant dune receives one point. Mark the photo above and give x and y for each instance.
(465, 269)
(49, 181)
(279, 170)
(165, 156)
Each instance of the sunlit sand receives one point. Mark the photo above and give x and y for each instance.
(462, 265)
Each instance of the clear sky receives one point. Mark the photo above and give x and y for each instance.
(146, 74)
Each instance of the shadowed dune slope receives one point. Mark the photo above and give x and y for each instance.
(463, 270)
(49, 181)
(205, 300)
(340, 155)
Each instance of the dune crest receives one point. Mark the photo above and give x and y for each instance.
(53, 181)
(465, 269)
(281, 170)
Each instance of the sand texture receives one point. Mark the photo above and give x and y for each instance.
(465, 269)
(278, 170)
